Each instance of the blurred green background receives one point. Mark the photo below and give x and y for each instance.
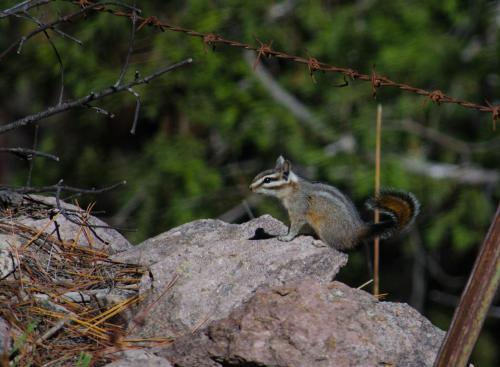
(206, 129)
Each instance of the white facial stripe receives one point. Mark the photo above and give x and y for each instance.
(261, 181)
(274, 184)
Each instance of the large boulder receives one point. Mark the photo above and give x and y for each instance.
(200, 271)
(310, 323)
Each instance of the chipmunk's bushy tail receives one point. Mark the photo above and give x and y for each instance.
(398, 210)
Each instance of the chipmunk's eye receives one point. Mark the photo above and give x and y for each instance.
(267, 180)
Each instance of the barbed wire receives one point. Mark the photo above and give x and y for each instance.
(265, 50)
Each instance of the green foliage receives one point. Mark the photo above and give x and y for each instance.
(20, 342)
(83, 360)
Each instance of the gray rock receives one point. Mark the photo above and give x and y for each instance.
(215, 267)
(5, 336)
(308, 323)
(8, 263)
(138, 357)
(8, 260)
(39, 219)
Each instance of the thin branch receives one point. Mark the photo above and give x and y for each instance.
(81, 218)
(96, 6)
(137, 109)
(22, 7)
(28, 154)
(61, 65)
(129, 52)
(32, 161)
(102, 111)
(56, 30)
(59, 186)
(93, 96)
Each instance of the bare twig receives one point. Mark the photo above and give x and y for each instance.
(32, 161)
(95, 6)
(22, 7)
(93, 96)
(81, 218)
(61, 187)
(61, 65)
(129, 52)
(28, 154)
(101, 110)
(56, 30)
(137, 109)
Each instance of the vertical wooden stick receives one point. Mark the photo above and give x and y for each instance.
(377, 191)
(474, 303)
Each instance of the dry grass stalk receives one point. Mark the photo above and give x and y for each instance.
(51, 325)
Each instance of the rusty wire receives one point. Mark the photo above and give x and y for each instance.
(265, 50)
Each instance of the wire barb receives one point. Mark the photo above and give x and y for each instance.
(376, 82)
(210, 39)
(264, 50)
(495, 114)
(313, 65)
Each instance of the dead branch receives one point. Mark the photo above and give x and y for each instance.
(61, 187)
(93, 96)
(28, 154)
(22, 7)
(64, 19)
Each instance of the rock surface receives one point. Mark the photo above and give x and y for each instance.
(5, 337)
(39, 210)
(204, 269)
(138, 358)
(308, 323)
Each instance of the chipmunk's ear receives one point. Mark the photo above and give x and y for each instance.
(279, 162)
(283, 165)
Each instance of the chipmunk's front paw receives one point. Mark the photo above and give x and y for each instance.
(286, 238)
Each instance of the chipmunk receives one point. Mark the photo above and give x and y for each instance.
(330, 213)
